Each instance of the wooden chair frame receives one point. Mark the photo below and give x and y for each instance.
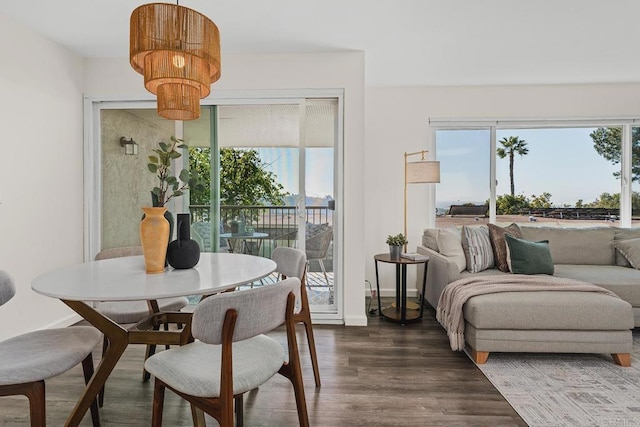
(221, 407)
(35, 392)
(304, 317)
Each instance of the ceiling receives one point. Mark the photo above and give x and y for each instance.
(406, 42)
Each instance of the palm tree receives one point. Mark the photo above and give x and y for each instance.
(511, 146)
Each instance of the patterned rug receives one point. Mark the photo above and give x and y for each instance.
(569, 389)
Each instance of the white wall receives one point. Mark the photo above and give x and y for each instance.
(114, 79)
(397, 121)
(41, 174)
(41, 206)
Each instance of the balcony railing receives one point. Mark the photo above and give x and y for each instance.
(279, 222)
(264, 215)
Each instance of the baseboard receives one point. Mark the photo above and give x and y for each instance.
(72, 319)
(355, 321)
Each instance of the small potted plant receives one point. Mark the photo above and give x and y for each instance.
(395, 245)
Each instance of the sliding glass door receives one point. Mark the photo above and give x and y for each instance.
(270, 178)
(270, 175)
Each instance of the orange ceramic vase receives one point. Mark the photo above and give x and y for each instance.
(154, 236)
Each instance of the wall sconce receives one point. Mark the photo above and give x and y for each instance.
(130, 146)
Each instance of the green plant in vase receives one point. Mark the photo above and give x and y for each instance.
(169, 185)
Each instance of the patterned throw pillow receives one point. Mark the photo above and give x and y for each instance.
(477, 248)
(624, 234)
(630, 250)
(496, 234)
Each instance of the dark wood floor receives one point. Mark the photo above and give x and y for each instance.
(380, 375)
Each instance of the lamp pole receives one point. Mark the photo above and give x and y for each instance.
(406, 155)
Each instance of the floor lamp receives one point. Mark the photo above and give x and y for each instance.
(419, 172)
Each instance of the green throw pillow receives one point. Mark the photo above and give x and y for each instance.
(526, 257)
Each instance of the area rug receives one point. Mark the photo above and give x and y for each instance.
(568, 389)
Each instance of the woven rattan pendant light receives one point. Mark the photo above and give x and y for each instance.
(177, 50)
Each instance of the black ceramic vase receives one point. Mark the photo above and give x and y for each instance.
(184, 252)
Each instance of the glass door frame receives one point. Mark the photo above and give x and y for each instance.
(93, 181)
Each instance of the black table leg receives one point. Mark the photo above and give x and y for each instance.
(378, 290)
(403, 297)
(398, 295)
(424, 288)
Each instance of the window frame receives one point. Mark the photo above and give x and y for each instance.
(493, 125)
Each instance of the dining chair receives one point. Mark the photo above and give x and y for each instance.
(31, 358)
(292, 262)
(129, 312)
(231, 354)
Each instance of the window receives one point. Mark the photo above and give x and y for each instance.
(569, 174)
(464, 157)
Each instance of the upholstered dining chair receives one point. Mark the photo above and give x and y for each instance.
(28, 360)
(292, 262)
(128, 312)
(231, 354)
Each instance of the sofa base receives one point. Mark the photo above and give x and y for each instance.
(622, 359)
(483, 341)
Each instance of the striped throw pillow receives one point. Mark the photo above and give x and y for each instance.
(477, 248)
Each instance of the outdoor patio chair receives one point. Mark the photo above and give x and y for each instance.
(317, 246)
(30, 359)
(201, 233)
(318, 239)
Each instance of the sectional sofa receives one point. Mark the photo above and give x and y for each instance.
(552, 321)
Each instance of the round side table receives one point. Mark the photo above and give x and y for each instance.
(400, 312)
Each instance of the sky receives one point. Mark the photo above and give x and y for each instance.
(562, 162)
(319, 168)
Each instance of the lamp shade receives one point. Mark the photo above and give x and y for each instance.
(174, 47)
(160, 68)
(178, 102)
(423, 172)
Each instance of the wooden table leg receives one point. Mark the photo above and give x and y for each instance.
(118, 341)
(198, 416)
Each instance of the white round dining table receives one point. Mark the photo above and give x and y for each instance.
(124, 279)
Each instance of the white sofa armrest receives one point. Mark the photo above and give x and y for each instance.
(440, 272)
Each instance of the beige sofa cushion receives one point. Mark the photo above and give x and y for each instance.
(450, 245)
(591, 246)
(623, 281)
(548, 310)
(429, 239)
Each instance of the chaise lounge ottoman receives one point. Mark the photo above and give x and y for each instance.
(549, 321)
